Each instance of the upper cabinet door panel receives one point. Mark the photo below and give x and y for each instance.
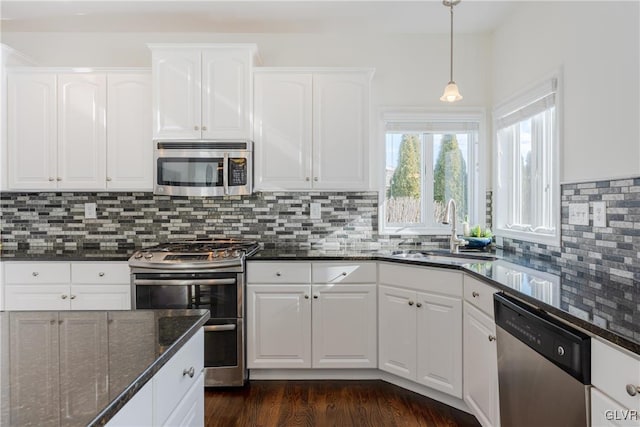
(226, 93)
(32, 131)
(283, 131)
(129, 144)
(81, 131)
(340, 135)
(176, 94)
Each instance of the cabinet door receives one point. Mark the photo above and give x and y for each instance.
(129, 144)
(81, 131)
(226, 93)
(397, 331)
(606, 412)
(481, 366)
(84, 354)
(344, 326)
(439, 340)
(37, 297)
(34, 361)
(137, 412)
(176, 94)
(32, 131)
(283, 131)
(340, 130)
(190, 410)
(100, 297)
(278, 326)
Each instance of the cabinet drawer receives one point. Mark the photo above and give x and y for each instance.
(343, 272)
(100, 272)
(190, 410)
(37, 273)
(612, 370)
(172, 381)
(278, 272)
(422, 279)
(479, 294)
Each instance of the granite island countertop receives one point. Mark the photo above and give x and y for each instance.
(80, 367)
(604, 305)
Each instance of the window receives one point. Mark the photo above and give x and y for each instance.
(527, 187)
(429, 159)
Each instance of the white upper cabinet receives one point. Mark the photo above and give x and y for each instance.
(283, 130)
(129, 146)
(312, 129)
(32, 130)
(202, 91)
(81, 131)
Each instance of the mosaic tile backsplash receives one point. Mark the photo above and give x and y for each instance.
(142, 219)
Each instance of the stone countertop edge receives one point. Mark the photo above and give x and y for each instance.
(115, 405)
(556, 312)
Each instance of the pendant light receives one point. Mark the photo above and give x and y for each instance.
(451, 92)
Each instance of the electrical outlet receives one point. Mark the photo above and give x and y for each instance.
(579, 213)
(90, 211)
(314, 211)
(599, 214)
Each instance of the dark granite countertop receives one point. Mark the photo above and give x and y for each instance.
(47, 253)
(81, 367)
(607, 306)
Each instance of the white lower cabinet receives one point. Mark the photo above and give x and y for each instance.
(67, 286)
(303, 325)
(190, 410)
(606, 412)
(138, 411)
(420, 332)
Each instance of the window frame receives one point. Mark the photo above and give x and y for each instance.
(477, 200)
(501, 201)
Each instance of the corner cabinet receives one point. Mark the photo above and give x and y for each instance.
(79, 131)
(312, 129)
(202, 91)
(311, 315)
(420, 326)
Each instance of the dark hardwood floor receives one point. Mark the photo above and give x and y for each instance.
(327, 403)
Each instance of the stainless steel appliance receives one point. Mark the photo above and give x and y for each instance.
(203, 168)
(204, 274)
(544, 368)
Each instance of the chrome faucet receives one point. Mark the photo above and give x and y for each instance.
(454, 241)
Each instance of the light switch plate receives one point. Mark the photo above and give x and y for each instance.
(599, 214)
(579, 213)
(314, 211)
(90, 211)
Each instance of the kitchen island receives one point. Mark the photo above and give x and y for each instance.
(60, 368)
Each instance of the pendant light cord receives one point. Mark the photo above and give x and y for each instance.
(451, 56)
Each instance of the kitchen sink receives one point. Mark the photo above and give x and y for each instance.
(444, 256)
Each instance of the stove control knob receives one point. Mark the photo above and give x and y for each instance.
(236, 253)
(148, 255)
(138, 255)
(225, 254)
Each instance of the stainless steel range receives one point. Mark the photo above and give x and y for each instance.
(205, 274)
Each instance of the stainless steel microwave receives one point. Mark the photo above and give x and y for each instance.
(203, 168)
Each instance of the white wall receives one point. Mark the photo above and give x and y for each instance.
(597, 45)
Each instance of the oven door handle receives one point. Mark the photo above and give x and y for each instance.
(186, 282)
(220, 328)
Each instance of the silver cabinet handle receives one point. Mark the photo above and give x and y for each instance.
(108, 178)
(306, 297)
(58, 179)
(278, 274)
(475, 294)
(204, 128)
(196, 128)
(73, 297)
(63, 296)
(35, 274)
(101, 274)
(632, 390)
(344, 273)
(315, 297)
(191, 372)
(307, 179)
(419, 305)
(491, 338)
(315, 178)
(411, 302)
(51, 179)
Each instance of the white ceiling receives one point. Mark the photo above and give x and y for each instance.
(255, 16)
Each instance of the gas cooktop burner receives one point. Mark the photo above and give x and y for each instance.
(195, 254)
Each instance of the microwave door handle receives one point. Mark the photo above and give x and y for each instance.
(225, 173)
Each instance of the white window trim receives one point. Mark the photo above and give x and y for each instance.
(413, 115)
(525, 97)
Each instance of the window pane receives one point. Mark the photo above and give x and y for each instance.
(403, 180)
(450, 174)
(525, 182)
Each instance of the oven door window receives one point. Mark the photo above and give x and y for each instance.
(221, 341)
(220, 300)
(190, 172)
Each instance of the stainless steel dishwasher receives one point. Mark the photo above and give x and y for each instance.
(544, 368)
